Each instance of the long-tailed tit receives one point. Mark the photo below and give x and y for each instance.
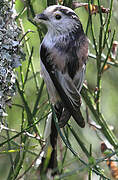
(63, 53)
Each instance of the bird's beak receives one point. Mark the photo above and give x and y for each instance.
(40, 17)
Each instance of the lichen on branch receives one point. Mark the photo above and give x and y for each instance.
(10, 54)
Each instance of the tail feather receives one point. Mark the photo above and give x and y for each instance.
(77, 115)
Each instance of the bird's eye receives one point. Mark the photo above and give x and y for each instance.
(58, 16)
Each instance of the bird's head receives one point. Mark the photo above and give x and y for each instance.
(59, 18)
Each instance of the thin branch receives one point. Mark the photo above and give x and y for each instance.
(29, 62)
(25, 130)
(2, 127)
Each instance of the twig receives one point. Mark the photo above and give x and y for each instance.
(25, 35)
(2, 127)
(108, 24)
(29, 53)
(115, 63)
(25, 130)
(108, 52)
(99, 118)
(29, 62)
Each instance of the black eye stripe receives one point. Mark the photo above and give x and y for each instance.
(65, 11)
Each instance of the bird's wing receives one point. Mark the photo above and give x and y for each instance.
(61, 71)
(69, 88)
(61, 80)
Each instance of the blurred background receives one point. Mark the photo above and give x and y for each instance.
(31, 99)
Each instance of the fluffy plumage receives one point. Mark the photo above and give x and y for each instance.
(63, 52)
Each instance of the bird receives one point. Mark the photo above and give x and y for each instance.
(63, 57)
